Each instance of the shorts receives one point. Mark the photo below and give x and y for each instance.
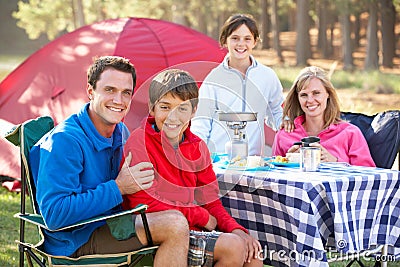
(201, 248)
(102, 241)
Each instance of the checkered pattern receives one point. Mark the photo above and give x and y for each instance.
(293, 213)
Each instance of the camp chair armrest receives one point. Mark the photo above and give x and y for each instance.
(38, 219)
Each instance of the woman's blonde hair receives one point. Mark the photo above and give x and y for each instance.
(292, 107)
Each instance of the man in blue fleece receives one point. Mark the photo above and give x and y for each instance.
(76, 168)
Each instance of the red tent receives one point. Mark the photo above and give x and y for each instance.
(52, 81)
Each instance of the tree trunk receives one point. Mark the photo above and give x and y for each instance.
(243, 6)
(388, 21)
(275, 30)
(79, 15)
(346, 42)
(178, 13)
(331, 21)
(292, 19)
(303, 44)
(265, 25)
(202, 16)
(322, 28)
(357, 28)
(372, 58)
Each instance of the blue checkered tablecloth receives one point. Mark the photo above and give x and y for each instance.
(293, 213)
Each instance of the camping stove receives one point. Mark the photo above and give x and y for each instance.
(237, 147)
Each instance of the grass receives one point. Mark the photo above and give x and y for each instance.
(8, 228)
(378, 82)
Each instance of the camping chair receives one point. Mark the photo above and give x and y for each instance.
(382, 132)
(25, 135)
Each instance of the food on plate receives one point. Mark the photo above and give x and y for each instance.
(250, 161)
(293, 157)
(254, 161)
(281, 159)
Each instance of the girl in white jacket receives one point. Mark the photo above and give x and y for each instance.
(238, 84)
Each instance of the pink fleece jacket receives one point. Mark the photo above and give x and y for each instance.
(343, 140)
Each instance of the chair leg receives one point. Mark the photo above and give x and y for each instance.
(28, 259)
(146, 229)
(22, 210)
(136, 261)
(357, 261)
(35, 258)
(21, 256)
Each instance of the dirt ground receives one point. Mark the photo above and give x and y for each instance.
(367, 102)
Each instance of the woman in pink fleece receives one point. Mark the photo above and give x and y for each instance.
(313, 105)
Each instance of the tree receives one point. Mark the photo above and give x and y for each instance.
(372, 58)
(357, 28)
(78, 14)
(265, 18)
(303, 44)
(323, 16)
(45, 16)
(388, 21)
(275, 30)
(243, 6)
(345, 26)
(346, 42)
(178, 13)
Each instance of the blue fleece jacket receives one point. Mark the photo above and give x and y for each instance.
(74, 168)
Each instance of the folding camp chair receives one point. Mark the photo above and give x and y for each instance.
(382, 132)
(25, 136)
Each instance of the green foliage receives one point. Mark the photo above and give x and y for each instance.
(378, 82)
(44, 16)
(53, 17)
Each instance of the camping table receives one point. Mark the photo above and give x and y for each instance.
(293, 213)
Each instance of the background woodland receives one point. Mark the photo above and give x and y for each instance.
(361, 34)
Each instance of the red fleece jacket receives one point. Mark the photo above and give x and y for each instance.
(184, 178)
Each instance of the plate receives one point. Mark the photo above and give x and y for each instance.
(242, 168)
(286, 164)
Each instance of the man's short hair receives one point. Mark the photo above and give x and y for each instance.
(104, 62)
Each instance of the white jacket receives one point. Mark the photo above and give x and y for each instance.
(224, 89)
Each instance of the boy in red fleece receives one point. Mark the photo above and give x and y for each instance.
(184, 178)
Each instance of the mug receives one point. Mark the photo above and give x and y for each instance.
(310, 158)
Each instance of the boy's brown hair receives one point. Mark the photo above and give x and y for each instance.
(177, 82)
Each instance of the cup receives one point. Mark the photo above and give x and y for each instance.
(310, 158)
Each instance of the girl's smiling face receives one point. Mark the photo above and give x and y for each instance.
(172, 116)
(240, 43)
